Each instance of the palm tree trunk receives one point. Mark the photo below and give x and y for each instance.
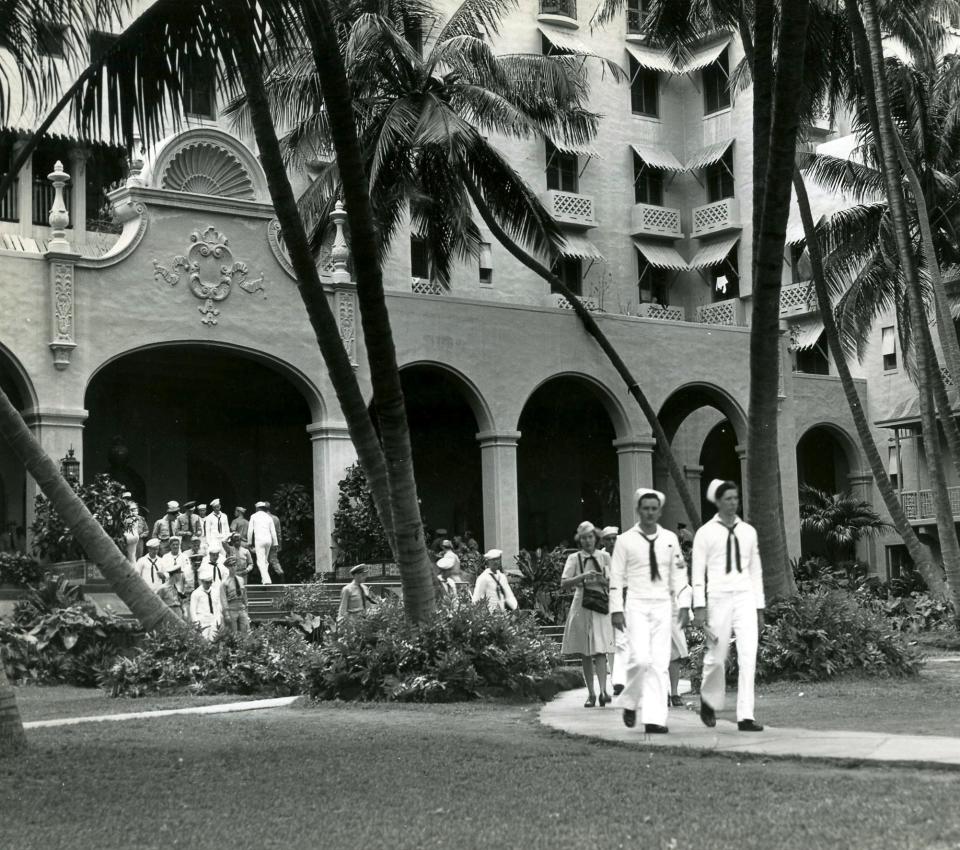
(96, 544)
(949, 546)
(324, 324)
(13, 740)
(931, 571)
(592, 328)
(948, 421)
(764, 490)
(415, 570)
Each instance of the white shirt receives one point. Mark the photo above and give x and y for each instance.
(201, 602)
(710, 545)
(215, 561)
(262, 529)
(216, 529)
(630, 567)
(486, 589)
(181, 560)
(151, 571)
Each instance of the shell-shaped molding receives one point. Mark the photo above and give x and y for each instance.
(207, 169)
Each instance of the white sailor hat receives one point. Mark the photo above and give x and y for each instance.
(447, 562)
(170, 567)
(201, 505)
(173, 506)
(492, 555)
(646, 491)
(126, 494)
(214, 503)
(609, 531)
(717, 487)
(260, 505)
(205, 573)
(152, 543)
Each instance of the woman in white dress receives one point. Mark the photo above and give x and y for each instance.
(588, 633)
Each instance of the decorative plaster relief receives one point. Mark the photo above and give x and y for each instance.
(346, 319)
(207, 169)
(277, 248)
(63, 343)
(211, 272)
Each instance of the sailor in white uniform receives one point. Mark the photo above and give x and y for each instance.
(216, 527)
(149, 566)
(492, 585)
(648, 564)
(205, 610)
(262, 535)
(728, 598)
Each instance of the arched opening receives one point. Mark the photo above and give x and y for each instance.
(566, 463)
(822, 461)
(13, 477)
(719, 459)
(446, 454)
(195, 422)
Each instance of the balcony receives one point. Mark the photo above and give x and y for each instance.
(918, 504)
(569, 208)
(729, 313)
(558, 302)
(648, 220)
(660, 311)
(425, 286)
(798, 299)
(561, 13)
(718, 217)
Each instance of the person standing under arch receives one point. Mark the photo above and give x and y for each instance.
(728, 599)
(262, 536)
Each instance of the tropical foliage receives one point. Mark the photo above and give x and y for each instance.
(294, 504)
(357, 530)
(839, 520)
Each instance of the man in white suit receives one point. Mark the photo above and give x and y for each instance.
(262, 535)
(216, 527)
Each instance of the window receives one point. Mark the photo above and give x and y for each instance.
(898, 561)
(198, 80)
(813, 360)
(716, 85)
(800, 269)
(720, 178)
(561, 169)
(644, 90)
(725, 278)
(9, 204)
(99, 43)
(893, 467)
(419, 261)
(652, 284)
(568, 269)
(413, 33)
(637, 13)
(51, 39)
(105, 172)
(888, 347)
(486, 265)
(647, 183)
(564, 8)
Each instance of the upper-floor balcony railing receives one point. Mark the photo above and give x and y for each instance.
(918, 505)
(569, 207)
(729, 312)
(718, 217)
(797, 299)
(650, 220)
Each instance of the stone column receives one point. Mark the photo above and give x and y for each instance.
(333, 452)
(78, 200)
(742, 458)
(693, 473)
(501, 526)
(58, 430)
(635, 462)
(24, 192)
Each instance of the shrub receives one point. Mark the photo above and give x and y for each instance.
(357, 530)
(293, 503)
(539, 587)
(270, 660)
(462, 652)
(819, 635)
(19, 570)
(919, 612)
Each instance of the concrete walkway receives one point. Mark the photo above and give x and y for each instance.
(566, 713)
(221, 708)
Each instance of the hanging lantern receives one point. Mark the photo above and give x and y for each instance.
(70, 467)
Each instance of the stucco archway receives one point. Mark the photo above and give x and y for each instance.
(13, 478)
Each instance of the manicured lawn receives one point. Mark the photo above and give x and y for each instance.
(469, 776)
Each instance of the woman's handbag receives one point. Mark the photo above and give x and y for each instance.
(596, 597)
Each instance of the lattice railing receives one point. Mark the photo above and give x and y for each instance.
(919, 504)
(425, 286)
(660, 311)
(656, 221)
(561, 303)
(570, 208)
(719, 313)
(715, 217)
(798, 298)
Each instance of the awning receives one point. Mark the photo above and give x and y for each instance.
(577, 245)
(805, 333)
(563, 40)
(657, 157)
(703, 56)
(708, 155)
(661, 255)
(713, 253)
(907, 411)
(583, 149)
(652, 59)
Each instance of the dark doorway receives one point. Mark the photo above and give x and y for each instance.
(718, 457)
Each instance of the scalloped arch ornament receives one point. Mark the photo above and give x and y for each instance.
(205, 168)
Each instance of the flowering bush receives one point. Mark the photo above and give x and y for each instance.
(462, 652)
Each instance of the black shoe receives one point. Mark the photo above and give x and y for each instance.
(617, 690)
(676, 701)
(655, 729)
(629, 717)
(707, 714)
(605, 699)
(749, 726)
(591, 702)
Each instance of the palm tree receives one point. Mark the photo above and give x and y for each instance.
(839, 519)
(12, 737)
(141, 72)
(919, 553)
(423, 124)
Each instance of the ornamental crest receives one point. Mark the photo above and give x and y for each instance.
(211, 272)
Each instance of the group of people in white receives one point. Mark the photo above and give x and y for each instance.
(632, 601)
(197, 563)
